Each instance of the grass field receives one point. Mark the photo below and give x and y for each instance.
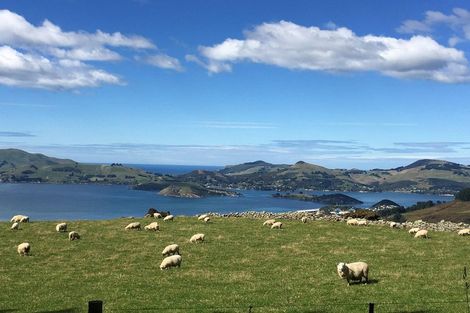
(241, 264)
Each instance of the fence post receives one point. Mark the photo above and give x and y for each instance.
(371, 308)
(95, 306)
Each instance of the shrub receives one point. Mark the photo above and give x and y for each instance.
(463, 195)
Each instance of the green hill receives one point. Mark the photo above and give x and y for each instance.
(455, 211)
(433, 176)
(20, 166)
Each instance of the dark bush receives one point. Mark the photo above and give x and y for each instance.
(366, 214)
(463, 195)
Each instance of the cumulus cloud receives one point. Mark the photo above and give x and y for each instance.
(45, 56)
(458, 21)
(288, 45)
(164, 61)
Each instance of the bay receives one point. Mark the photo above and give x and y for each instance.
(75, 202)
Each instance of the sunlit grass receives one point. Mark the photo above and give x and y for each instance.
(241, 264)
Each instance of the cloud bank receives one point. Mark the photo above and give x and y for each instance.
(288, 45)
(45, 56)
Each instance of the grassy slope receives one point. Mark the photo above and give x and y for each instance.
(241, 264)
(455, 211)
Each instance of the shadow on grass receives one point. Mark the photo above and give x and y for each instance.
(69, 310)
(370, 282)
(8, 310)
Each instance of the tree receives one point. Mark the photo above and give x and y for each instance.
(463, 195)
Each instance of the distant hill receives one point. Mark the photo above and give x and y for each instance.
(21, 166)
(433, 176)
(455, 211)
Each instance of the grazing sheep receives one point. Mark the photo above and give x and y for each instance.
(15, 226)
(134, 225)
(353, 271)
(361, 223)
(61, 227)
(423, 233)
(24, 248)
(171, 261)
(269, 222)
(73, 235)
(413, 230)
(20, 219)
(277, 225)
(304, 219)
(207, 219)
(171, 250)
(394, 225)
(202, 216)
(152, 226)
(157, 215)
(464, 232)
(352, 221)
(196, 238)
(169, 218)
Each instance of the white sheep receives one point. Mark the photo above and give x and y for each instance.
(207, 219)
(169, 218)
(61, 227)
(277, 225)
(157, 215)
(362, 223)
(197, 238)
(15, 226)
(353, 271)
(352, 221)
(24, 219)
(423, 233)
(202, 216)
(152, 226)
(20, 219)
(413, 230)
(394, 225)
(464, 232)
(304, 219)
(24, 248)
(171, 249)
(171, 261)
(269, 222)
(73, 235)
(134, 225)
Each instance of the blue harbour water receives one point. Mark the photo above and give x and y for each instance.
(75, 202)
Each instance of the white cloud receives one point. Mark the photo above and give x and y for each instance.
(164, 61)
(30, 70)
(45, 56)
(288, 45)
(458, 22)
(15, 30)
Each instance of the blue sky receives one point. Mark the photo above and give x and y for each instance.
(338, 83)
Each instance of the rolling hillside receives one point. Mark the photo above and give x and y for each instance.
(20, 166)
(455, 211)
(434, 176)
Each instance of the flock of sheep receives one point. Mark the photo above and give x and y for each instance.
(171, 252)
(25, 247)
(356, 271)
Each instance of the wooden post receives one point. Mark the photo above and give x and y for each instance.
(371, 308)
(95, 306)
